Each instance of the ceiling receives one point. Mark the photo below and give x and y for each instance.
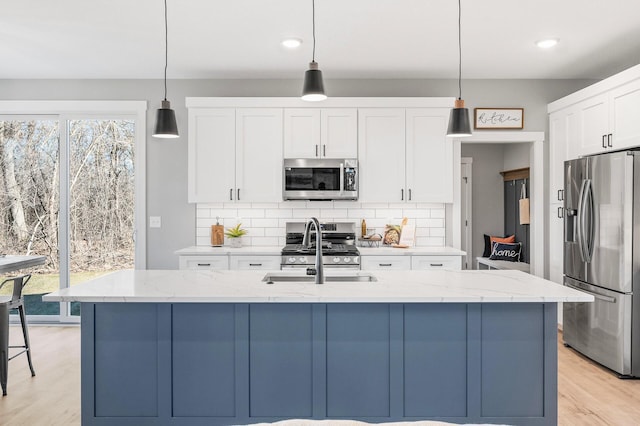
(355, 38)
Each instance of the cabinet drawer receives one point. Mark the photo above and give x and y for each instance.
(385, 262)
(204, 262)
(254, 262)
(436, 262)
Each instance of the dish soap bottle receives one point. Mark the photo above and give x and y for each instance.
(363, 228)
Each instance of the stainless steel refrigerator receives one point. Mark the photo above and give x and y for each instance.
(602, 257)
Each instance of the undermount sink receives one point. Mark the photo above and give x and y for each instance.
(353, 277)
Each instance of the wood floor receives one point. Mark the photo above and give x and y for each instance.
(587, 394)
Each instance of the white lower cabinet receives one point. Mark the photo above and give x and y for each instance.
(218, 262)
(385, 262)
(239, 262)
(436, 262)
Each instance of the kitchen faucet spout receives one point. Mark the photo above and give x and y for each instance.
(318, 271)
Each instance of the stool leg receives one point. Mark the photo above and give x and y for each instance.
(25, 334)
(4, 346)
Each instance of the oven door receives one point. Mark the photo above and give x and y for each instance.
(314, 179)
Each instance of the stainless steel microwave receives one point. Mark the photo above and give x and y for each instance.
(320, 179)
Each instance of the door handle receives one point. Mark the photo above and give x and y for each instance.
(409, 194)
(402, 195)
(316, 150)
(238, 197)
(604, 141)
(560, 194)
(595, 295)
(580, 219)
(609, 143)
(231, 194)
(324, 150)
(560, 212)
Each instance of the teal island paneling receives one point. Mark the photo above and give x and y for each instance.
(224, 364)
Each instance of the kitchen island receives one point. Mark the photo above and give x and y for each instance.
(223, 347)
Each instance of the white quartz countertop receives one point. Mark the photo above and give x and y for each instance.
(364, 251)
(197, 286)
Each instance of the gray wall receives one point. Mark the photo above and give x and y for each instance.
(167, 159)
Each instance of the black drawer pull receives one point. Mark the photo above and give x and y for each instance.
(384, 264)
(560, 212)
(609, 144)
(255, 264)
(436, 264)
(604, 141)
(204, 264)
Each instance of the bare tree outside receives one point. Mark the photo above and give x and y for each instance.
(101, 195)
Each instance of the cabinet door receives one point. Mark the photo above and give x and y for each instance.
(211, 154)
(625, 114)
(563, 135)
(429, 156)
(381, 147)
(259, 155)
(339, 132)
(594, 124)
(302, 133)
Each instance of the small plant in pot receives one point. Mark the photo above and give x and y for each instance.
(234, 235)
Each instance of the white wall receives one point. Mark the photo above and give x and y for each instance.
(167, 159)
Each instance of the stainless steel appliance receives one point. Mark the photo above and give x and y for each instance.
(320, 179)
(338, 246)
(602, 257)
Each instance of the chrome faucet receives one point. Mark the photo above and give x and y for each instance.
(318, 271)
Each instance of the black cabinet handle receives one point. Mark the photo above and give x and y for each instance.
(324, 150)
(560, 194)
(231, 194)
(409, 194)
(255, 264)
(609, 143)
(436, 264)
(204, 264)
(238, 198)
(402, 195)
(384, 264)
(560, 212)
(316, 150)
(604, 141)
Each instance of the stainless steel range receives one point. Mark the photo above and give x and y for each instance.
(338, 246)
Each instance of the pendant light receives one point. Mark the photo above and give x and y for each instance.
(313, 88)
(166, 126)
(459, 118)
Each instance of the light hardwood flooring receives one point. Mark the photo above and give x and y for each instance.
(587, 393)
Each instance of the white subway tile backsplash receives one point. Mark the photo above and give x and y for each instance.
(266, 221)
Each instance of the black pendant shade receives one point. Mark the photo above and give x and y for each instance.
(313, 87)
(166, 125)
(459, 121)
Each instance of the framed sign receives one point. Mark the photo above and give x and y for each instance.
(498, 118)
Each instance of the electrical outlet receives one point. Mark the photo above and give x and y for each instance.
(155, 222)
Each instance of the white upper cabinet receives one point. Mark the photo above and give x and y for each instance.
(235, 155)
(258, 154)
(211, 154)
(320, 133)
(625, 115)
(381, 147)
(404, 155)
(429, 156)
(594, 125)
(563, 134)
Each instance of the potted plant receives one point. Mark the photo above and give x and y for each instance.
(234, 234)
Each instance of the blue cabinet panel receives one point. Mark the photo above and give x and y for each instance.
(358, 360)
(435, 351)
(280, 360)
(203, 364)
(513, 360)
(126, 363)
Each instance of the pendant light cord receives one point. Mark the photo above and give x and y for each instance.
(313, 11)
(166, 48)
(459, 52)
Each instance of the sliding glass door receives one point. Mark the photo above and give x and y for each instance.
(69, 191)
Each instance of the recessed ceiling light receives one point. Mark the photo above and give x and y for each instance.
(291, 43)
(547, 43)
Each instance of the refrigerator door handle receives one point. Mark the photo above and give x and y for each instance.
(589, 226)
(580, 220)
(595, 295)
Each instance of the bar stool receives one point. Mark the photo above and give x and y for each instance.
(7, 303)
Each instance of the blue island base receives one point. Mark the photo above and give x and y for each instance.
(224, 364)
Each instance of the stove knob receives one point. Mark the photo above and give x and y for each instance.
(292, 260)
(336, 260)
(347, 259)
(303, 260)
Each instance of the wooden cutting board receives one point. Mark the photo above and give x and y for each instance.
(217, 235)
